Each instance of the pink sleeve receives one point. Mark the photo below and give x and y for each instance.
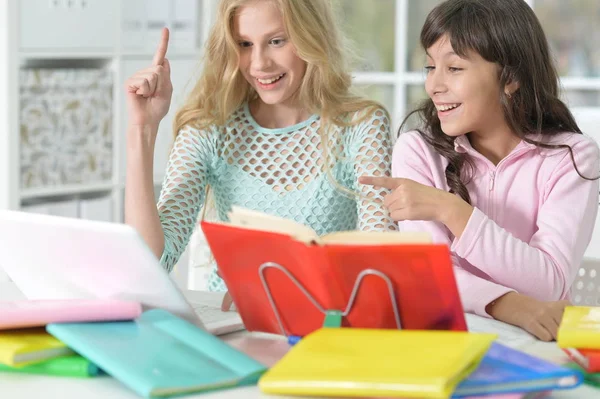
(413, 160)
(546, 266)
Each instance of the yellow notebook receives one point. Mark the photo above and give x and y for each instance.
(381, 363)
(580, 328)
(28, 346)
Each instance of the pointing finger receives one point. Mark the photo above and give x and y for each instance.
(167, 65)
(161, 50)
(381, 181)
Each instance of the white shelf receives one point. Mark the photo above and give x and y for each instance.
(66, 54)
(158, 181)
(71, 54)
(579, 83)
(418, 78)
(374, 78)
(172, 54)
(33, 193)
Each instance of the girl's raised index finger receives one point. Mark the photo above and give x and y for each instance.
(161, 51)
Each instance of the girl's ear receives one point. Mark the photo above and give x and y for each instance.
(511, 88)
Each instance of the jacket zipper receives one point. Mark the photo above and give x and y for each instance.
(491, 194)
(493, 174)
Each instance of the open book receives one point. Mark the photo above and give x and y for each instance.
(255, 220)
(284, 278)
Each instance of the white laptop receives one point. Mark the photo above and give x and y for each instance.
(51, 257)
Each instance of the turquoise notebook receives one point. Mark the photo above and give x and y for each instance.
(160, 354)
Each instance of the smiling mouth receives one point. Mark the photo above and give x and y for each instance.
(270, 81)
(447, 107)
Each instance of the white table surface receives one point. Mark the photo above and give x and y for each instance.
(264, 349)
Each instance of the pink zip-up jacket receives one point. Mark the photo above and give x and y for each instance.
(532, 222)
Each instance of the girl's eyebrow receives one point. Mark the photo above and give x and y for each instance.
(446, 55)
(277, 32)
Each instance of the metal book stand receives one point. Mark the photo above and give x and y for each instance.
(326, 312)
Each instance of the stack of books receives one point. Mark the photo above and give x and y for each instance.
(579, 337)
(371, 314)
(26, 347)
(350, 362)
(154, 353)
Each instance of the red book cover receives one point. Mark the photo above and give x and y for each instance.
(421, 277)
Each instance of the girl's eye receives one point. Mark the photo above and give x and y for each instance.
(452, 69)
(429, 68)
(277, 42)
(245, 44)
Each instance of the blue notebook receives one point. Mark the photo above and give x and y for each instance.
(160, 354)
(507, 370)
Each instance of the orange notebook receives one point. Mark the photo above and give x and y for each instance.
(420, 279)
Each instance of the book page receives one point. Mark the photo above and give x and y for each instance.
(377, 238)
(255, 220)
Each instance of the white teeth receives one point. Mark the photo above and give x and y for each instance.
(446, 107)
(269, 81)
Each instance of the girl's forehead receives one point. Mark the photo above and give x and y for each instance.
(257, 17)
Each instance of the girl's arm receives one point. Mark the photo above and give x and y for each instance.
(183, 191)
(412, 161)
(140, 204)
(167, 227)
(545, 267)
(148, 97)
(373, 156)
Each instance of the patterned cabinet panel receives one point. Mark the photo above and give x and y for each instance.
(66, 127)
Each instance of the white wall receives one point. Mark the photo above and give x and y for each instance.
(5, 161)
(588, 120)
(8, 110)
(4, 125)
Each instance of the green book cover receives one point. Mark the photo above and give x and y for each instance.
(69, 366)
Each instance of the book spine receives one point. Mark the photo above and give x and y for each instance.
(579, 339)
(209, 345)
(577, 357)
(72, 366)
(593, 364)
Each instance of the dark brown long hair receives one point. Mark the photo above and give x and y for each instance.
(508, 33)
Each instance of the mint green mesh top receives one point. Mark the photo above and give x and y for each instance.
(277, 171)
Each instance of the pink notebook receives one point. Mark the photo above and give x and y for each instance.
(20, 314)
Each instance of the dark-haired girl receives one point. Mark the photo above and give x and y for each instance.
(499, 169)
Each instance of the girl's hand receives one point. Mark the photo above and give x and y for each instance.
(409, 200)
(227, 302)
(541, 319)
(148, 91)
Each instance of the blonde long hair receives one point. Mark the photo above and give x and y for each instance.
(325, 89)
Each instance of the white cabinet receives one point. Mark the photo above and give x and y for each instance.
(112, 38)
(144, 19)
(68, 24)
